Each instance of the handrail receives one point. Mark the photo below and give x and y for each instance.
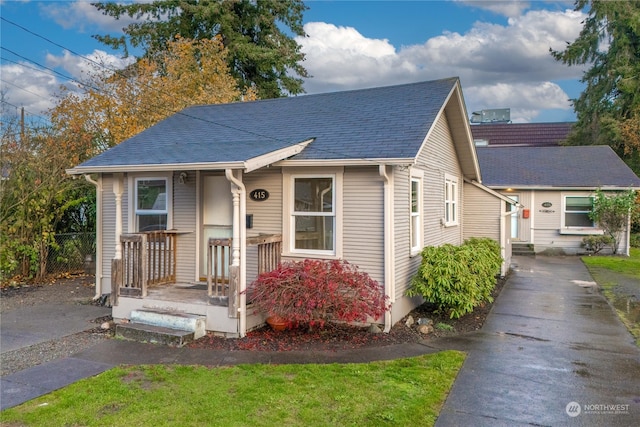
(148, 258)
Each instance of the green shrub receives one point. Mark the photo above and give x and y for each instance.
(458, 278)
(594, 244)
(634, 242)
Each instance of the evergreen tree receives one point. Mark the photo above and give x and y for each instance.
(608, 110)
(261, 54)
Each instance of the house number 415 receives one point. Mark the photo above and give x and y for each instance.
(259, 195)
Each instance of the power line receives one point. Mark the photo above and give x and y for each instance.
(148, 108)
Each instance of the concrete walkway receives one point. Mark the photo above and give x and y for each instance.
(552, 353)
(549, 341)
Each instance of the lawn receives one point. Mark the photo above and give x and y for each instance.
(619, 279)
(400, 392)
(620, 264)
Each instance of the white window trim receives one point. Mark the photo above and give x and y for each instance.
(288, 230)
(451, 206)
(577, 230)
(416, 176)
(133, 194)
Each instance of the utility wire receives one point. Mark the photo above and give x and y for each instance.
(149, 108)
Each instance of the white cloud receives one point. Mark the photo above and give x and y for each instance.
(35, 89)
(509, 64)
(83, 16)
(502, 7)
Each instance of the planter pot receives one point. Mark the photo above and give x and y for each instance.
(277, 323)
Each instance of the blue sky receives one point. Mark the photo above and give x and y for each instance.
(499, 49)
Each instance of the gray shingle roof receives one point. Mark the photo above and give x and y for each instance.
(377, 123)
(589, 166)
(522, 134)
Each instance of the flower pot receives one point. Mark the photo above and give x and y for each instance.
(277, 323)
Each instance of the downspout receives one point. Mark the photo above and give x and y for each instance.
(389, 252)
(98, 186)
(239, 245)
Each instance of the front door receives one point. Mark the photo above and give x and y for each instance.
(515, 235)
(217, 213)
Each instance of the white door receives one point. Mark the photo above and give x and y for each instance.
(217, 213)
(514, 218)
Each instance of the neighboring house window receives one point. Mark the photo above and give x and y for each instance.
(577, 210)
(313, 217)
(450, 200)
(151, 204)
(416, 215)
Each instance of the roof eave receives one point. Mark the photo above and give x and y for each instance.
(275, 156)
(347, 162)
(167, 167)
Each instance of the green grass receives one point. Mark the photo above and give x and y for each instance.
(400, 392)
(620, 264)
(619, 295)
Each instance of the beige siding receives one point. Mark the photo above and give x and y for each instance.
(363, 225)
(184, 220)
(267, 215)
(437, 159)
(108, 231)
(482, 213)
(405, 264)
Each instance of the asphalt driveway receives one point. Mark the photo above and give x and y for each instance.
(552, 352)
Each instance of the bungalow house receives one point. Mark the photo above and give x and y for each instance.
(555, 186)
(193, 208)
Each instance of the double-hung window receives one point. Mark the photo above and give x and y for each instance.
(313, 217)
(577, 210)
(450, 200)
(151, 204)
(416, 215)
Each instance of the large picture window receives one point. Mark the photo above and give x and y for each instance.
(450, 200)
(577, 210)
(151, 204)
(314, 215)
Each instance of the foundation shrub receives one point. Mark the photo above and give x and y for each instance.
(312, 292)
(458, 278)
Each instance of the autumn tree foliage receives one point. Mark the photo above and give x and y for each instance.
(608, 110)
(257, 34)
(116, 105)
(35, 194)
(39, 199)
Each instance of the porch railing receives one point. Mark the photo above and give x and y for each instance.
(222, 277)
(147, 259)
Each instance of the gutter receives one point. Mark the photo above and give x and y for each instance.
(239, 254)
(389, 255)
(98, 185)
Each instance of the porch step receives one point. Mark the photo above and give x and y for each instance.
(162, 326)
(153, 334)
(523, 249)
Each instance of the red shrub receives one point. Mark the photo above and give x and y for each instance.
(312, 292)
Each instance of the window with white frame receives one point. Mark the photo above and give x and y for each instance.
(450, 200)
(151, 209)
(577, 210)
(313, 217)
(416, 214)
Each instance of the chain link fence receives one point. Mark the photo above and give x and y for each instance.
(73, 253)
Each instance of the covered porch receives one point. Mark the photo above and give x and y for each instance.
(145, 278)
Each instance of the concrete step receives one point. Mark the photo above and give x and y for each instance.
(522, 249)
(153, 334)
(162, 326)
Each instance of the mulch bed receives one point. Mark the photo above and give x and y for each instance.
(334, 337)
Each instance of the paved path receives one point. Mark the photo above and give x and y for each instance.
(550, 340)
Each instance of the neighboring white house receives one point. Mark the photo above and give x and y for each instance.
(555, 186)
(370, 176)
